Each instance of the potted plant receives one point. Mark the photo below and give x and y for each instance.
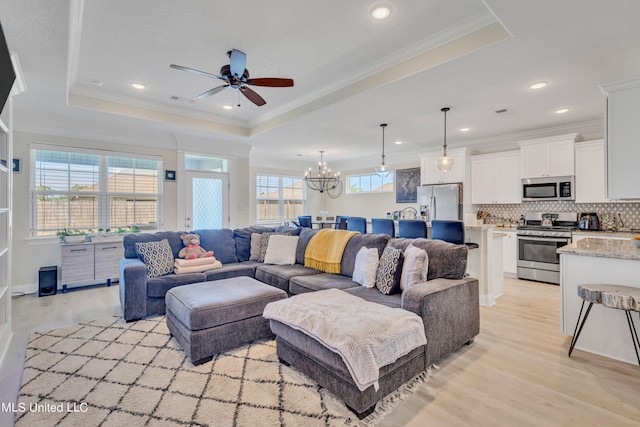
(109, 235)
(71, 236)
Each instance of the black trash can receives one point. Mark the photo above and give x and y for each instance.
(47, 281)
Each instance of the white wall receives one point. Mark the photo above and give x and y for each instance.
(368, 205)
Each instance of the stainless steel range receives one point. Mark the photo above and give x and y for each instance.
(538, 239)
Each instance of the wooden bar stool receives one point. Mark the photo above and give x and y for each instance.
(611, 296)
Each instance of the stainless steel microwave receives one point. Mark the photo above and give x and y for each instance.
(552, 188)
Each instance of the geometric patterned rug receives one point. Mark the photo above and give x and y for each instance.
(110, 373)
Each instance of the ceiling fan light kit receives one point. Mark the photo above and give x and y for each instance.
(236, 76)
(324, 181)
(383, 170)
(445, 163)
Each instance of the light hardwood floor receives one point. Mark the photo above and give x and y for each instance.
(516, 373)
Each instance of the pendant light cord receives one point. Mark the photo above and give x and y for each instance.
(383, 125)
(445, 109)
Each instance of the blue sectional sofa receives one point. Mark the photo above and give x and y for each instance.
(448, 302)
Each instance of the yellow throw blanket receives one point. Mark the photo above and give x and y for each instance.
(324, 251)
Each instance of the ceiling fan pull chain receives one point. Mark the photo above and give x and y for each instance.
(238, 98)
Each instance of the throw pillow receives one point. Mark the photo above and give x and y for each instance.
(281, 250)
(264, 243)
(414, 267)
(255, 246)
(157, 256)
(389, 271)
(366, 267)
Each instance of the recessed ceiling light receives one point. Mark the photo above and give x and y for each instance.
(561, 110)
(380, 11)
(465, 129)
(538, 85)
(398, 142)
(227, 107)
(138, 85)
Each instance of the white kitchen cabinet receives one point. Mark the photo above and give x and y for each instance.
(90, 262)
(430, 174)
(510, 254)
(590, 172)
(495, 178)
(621, 143)
(545, 157)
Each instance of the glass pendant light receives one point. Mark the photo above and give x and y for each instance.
(445, 163)
(383, 170)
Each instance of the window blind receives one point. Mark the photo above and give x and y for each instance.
(90, 190)
(279, 198)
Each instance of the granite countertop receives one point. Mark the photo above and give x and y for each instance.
(605, 234)
(605, 248)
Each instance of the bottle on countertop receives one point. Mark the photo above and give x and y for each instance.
(521, 220)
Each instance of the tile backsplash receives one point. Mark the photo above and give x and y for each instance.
(629, 211)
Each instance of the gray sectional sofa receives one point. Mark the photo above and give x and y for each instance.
(448, 302)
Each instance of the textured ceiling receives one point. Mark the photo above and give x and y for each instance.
(351, 72)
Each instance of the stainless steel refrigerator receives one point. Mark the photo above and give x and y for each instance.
(440, 201)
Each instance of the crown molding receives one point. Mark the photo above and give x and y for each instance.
(211, 147)
(20, 84)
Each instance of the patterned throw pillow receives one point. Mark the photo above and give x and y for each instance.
(389, 271)
(254, 250)
(264, 243)
(157, 256)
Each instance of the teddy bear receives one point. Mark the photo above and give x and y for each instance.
(192, 248)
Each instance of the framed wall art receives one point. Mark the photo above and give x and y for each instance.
(407, 182)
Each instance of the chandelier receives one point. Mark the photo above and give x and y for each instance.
(325, 181)
(445, 163)
(383, 170)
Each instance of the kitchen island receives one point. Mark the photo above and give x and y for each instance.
(599, 261)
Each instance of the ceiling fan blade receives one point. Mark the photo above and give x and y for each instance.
(194, 71)
(238, 62)
(211, 92)
(271, 81)
(252, 96)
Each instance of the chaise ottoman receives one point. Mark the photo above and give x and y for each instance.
(211, 317)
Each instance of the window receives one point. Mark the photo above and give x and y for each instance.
(207, 164)
(87, 189)
(279, 198)
(370, 183)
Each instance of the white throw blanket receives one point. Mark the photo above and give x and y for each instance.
(196, 265)
(366, 335)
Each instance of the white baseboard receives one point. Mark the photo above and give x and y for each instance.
(28, 288)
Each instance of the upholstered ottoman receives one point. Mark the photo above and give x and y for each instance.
(211, 317)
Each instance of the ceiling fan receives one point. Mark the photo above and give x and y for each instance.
(236, 76)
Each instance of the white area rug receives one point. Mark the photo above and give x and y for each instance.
(110, 373)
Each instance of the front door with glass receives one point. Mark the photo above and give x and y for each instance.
(206, 200)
